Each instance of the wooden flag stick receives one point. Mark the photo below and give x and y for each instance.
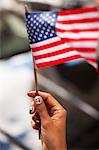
(35, 77)
(34, 65)
(36, 81)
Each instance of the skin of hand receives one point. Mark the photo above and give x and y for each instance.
(53, 121)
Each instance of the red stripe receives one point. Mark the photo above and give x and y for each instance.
(90, 59)
(43, 47)
(59, 61)
(62, 41)
(86, 50)
(54, 53)
(76, 30)
(87, 20)
(78, 11)
(80, 39)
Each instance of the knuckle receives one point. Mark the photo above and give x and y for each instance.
(49, 95)
(46, 124)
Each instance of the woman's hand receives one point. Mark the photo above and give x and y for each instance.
(53, 121)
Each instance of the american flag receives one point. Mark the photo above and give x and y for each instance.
(62, 36)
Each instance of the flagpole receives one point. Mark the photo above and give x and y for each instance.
(38, 122)
(35, 79)
(34, 65)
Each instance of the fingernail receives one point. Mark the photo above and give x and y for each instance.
(38, 123)
(38, 100)
(29, 94)
(31, 110)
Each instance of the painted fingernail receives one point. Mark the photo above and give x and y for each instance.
(29, 94)
(31, 110)
(38, 100)
(38, 123)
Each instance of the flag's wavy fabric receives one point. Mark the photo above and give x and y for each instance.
(63, 36)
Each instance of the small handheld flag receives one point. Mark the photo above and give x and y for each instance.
(36, 83)
(63, 36)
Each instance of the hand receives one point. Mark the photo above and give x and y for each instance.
(53, 121)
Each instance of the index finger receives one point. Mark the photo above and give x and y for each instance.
(49, 99)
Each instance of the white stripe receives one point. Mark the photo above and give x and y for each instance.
(88, 55)
(77, 26)
(57, 57)
(52, 49)
(78, 16)
(79, 35)
(84, 44)
(94, 64)
(51, 40)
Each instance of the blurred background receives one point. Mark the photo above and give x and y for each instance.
(76, 85)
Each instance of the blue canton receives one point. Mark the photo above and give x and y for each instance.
(41, 26)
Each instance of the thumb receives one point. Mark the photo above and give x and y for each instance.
(41, 108)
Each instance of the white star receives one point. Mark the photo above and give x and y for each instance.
(49, 27)
(50, 17)
(28, 16)
(48, 30)
(39, 39)
(37, 23)
(44, 28)
(41, 15)
(36, 33)
(39, 26)
(34, 21)
(28, 22)
(38, 30)
(48, 21)
(54, 15)
(46, 33)
(52, 24)
(31, 25)
(45, 36)
(40, 35)
(51, 34)
(34, 37)
(34, 16)
(45, 25)
(31, 19)
(42, 31)
(53, 20)
(37, 18)
(47, 14)
(42, 22)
